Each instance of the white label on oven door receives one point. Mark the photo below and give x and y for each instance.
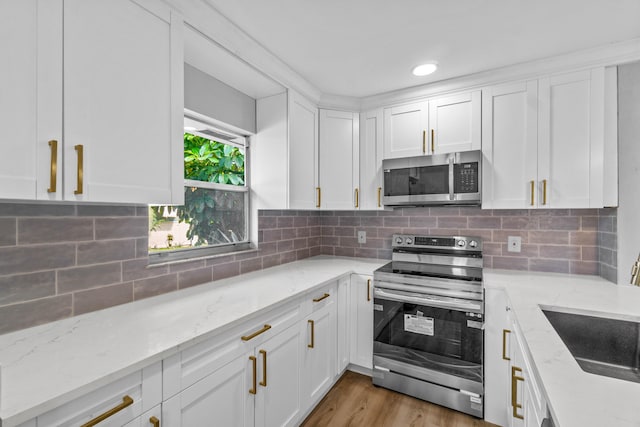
(418, 324)
(474, 324)
(378, 307)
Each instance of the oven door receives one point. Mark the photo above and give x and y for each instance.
(425, 337)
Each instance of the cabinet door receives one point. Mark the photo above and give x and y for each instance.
(455, 123)
(362, 320)
(517, 376)
(278, 398)
(120, 87)
(343, 320)
(221, 398)
(339, 159)
(303, 153)
(571, 129)
(30, 99)
(319, 354)
(509, 146)
(371, 160)
(405, 130)
(496, 357)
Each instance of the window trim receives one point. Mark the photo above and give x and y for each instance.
(222, 248)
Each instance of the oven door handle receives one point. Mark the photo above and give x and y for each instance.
(429, 300)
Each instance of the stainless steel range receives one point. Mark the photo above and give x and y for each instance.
(428, 321)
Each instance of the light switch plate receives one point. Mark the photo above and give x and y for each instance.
(362, 237)
(514, 243)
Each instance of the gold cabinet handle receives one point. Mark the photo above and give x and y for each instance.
(514, 392)
(424, 141)
(368, 289)
(126, 401)
(263, 383)
(254, 362)
(544, 191)
(53, 179)
(319, 195)
(533, 186)
(312, 323)
(154, 422)
(379, 194)
(357, 198)
(504, 344)
(80, 151)
(433, 144)
(325, 296)
(264, 329)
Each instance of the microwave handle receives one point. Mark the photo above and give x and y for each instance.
(451, 162)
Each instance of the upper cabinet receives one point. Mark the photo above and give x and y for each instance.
(544, 142)
(107, 76)
(303, 153)
(371, 152)
(437, 126)
(339, 160)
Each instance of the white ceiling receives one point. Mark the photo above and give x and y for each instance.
(365, 47)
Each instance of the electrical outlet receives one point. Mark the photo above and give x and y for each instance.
(362, 237)
(514, 243)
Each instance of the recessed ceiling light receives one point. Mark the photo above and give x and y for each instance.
(425, 69)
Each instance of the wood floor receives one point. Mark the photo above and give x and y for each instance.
(355, 402)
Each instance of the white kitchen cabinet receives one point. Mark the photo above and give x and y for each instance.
(371, 153)
(544, 142)
(339, 160)
(343, 320)
(405, 130)
(304, 190)
(132, 395)
(107, 75)
(361, 327)
(509, 145)
(319, 347)
(248, 376)
(455, 123)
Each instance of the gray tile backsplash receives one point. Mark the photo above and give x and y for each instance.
(58, 260)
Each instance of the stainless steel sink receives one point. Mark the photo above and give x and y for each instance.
(600, 345)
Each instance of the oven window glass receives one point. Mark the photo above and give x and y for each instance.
(422, 180)
(434, 338)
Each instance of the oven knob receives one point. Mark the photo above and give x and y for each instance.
(409, 241)
(399, 240)
(461, 243)
(473, 244)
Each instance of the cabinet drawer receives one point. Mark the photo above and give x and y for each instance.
(148, 418)
(144, 387)
(319, 298)
(199, 360)
(532, 384)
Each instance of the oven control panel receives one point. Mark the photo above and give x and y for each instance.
(466, 243)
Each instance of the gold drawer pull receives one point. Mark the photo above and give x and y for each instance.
(325, 296)
(514, 392)
(319, 194)
(368, 289)
(379, 191)
(312, 323)
(256, 333)
(126, 401)
(504, 344)
(433, 144)
(254, 362)
(54, 166)
(80, 151)
(263, 383)
(532, 190)
(357, 199)
(544, 191)
(424, 141)
(154, 421)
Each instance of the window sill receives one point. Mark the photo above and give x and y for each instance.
(156, 260)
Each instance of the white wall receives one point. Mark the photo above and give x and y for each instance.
(629, 168)
(206, 95)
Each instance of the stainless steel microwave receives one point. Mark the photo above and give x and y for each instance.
(443, 179)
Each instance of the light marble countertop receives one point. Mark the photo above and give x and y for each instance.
(46, 366)
(575, 398)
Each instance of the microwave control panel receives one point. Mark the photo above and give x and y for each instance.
(465, 177)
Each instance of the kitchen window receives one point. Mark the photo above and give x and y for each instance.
(215, 216)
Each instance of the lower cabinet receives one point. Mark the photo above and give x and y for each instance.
(513, 397)
(361, 321)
